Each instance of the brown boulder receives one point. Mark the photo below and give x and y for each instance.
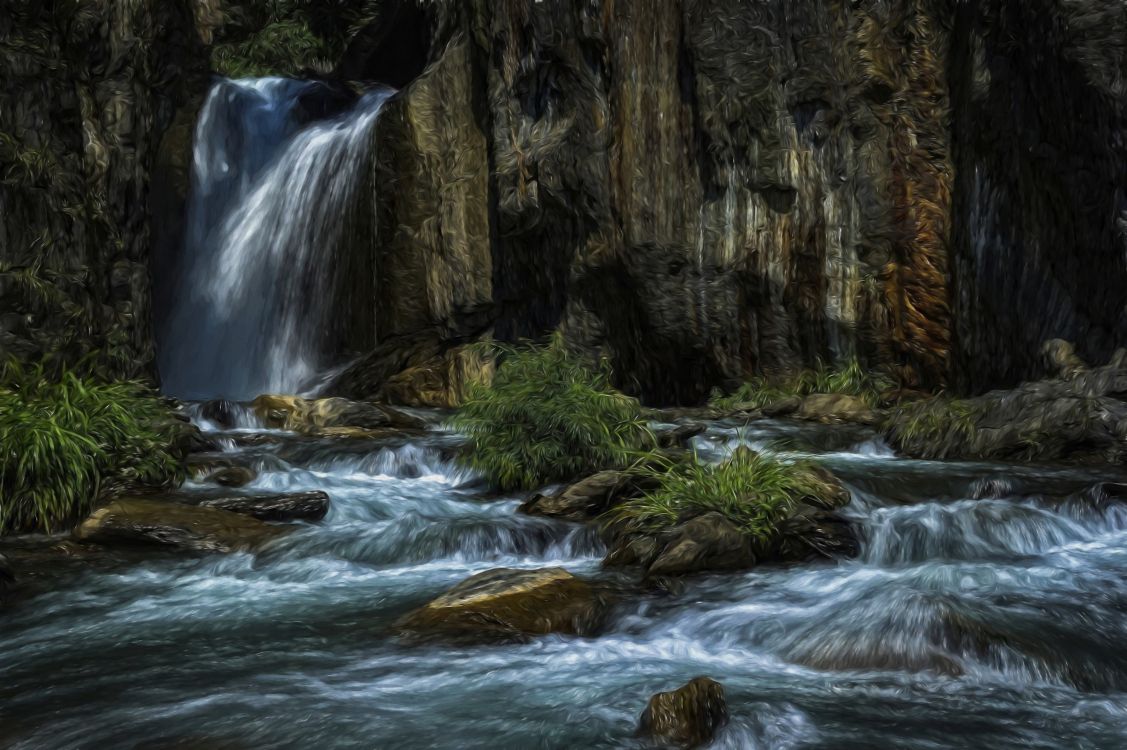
(233, 476)
(687, 717)
(141, 521)
(507, 604)
(587, 498)
(836, 407)
(707, 542)
(315, 415)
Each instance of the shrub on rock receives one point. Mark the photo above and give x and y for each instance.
(730, 515)
(548, 417)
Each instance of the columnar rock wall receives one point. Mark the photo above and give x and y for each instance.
(695, 189)
(88, 90)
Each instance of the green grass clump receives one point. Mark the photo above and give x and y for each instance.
(756, 492)
(281, 48)
(547, 417)
(850, 379)
(63, 439)
(934, 428)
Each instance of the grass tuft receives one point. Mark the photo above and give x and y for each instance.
(547, 417)
(63, 439)
(849, 379)
(935, 428)
(756, 492)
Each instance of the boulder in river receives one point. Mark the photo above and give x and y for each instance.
(679, 436)
(233, 476)
(1079, 415)
(836, 407)
(688, 717)
(298, 506)
(707, 542)
(314, 415)
(588, 498)
(197, 528)
(507, 604)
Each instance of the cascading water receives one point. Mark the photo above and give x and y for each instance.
(964, 623)
(255, 285)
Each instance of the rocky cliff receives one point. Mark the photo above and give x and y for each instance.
(695, 189)
(88, 91)
(698, 190)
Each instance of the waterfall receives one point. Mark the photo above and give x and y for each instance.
(254, 289)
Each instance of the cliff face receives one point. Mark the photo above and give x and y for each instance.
(1040, 183)
(695, 189)
(88, 91)
(706, 188)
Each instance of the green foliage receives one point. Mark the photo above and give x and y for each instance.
(937, 428)
(548, 417)
(281, 48)
(757, 492)
(62, 440)
(849, 379)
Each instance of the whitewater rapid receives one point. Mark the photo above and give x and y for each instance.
(963, 623)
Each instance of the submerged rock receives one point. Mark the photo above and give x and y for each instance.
(688, 717)
(299, 506)
(316, 415)
(507, 604)
(233, 476)
(197, 528)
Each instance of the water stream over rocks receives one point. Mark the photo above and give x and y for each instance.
(994, 622)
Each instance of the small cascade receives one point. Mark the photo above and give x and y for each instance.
(253, 292)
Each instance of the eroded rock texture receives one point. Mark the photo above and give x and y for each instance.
(88, 90)
(697, 190)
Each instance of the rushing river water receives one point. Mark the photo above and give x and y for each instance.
(989, 623)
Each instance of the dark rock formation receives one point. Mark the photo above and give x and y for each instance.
(590, 497)
(1079, 417)
(233, 476)
(7, 578)
(89, 90)
(687, 717)
(200, 529)
(506, 604)
(298, 506)
(697, 190)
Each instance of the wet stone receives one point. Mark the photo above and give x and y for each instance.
(506, 604)
(153, 522)
(688, 717)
